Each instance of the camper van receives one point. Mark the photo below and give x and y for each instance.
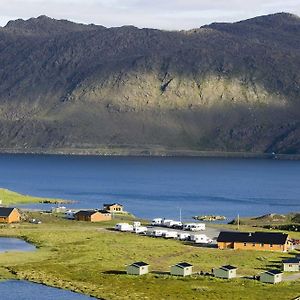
(200, 239)
(139, 229)
(173, 224)
(123, 227)
(194, 226)
(157, 222)
(183, 236)
(170, 234)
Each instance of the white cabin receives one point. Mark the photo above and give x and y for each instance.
(123, 227)
(200, 239)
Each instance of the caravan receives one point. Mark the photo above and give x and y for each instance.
(194, 226)
(200, 239)
(123, 227)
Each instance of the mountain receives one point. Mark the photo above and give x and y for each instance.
(226, 87)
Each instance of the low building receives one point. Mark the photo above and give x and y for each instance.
(9, 215)
(113, 207)
(92, 215)
(226, 272)
(272, 241)
(138, 268)
(182, 269)
(271, 276)
(291, 265)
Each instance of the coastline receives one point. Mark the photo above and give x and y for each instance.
(147, 152)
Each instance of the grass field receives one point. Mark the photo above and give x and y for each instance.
(90, 259)
(12, 198)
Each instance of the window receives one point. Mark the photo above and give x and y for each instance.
(262, 244)
(245, 244)
(271, 245)
(253, 245)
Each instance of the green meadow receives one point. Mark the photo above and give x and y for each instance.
(91, 259)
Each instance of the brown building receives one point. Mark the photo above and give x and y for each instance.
(113, 207)
(92, 215)
(9, 215)
(268, 241)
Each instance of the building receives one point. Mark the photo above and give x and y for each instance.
(92, 215)
(291, 265)
(271, 276)
(138, 268)
(9, 215)
(226, 272)
(272, 241)
(182, 269)
(113, 207)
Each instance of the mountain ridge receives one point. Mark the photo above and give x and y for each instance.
(222, 87)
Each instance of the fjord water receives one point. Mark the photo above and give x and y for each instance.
(14, 244)
(159, 186)
(25, 290)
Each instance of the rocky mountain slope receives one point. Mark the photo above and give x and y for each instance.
(222, 87)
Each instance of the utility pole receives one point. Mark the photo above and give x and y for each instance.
(180, 214)
(238, 221)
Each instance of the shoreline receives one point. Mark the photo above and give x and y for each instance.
(147, 152)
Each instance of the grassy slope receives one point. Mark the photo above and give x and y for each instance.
(9, 198)
(89, 259)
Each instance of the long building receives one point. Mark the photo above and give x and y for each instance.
(269, 241)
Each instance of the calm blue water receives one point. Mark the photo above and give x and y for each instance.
(153, 187)
(24, 290)
(13, 244)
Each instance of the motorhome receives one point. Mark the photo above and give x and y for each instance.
(140, 229)
(157, 221)
(170, 234)
(183, 236)
(194, 226)
(136, 224)
(173, 224)
(200, 239)
(157, 232)
(123, 227)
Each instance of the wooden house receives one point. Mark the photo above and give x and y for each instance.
(291, 265)
(272, 241)
(271, 276)
(138, 268)
(182, 269)
(92, 215)
(113, 207)
(226, 272)
(9, 215)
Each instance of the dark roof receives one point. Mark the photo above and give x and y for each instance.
(140, 264)
(183, 265)
(274, 272)
(291, 261)
(103, 211)
(253, 237)
(6, 211)
(228, 267)
(111, 204)
(87, 213)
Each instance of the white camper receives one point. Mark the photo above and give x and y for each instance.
(171, 223)
(200, 239)
(123, 227)
(170, 234)
(158, 232)
(157, 221)
(136, 224)
(140, 229)
(194, 226)
(70, 215)
(183, 236)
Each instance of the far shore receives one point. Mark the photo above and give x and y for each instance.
(148, 152)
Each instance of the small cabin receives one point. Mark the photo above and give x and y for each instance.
(138, 268)
(9, 215)
(113, 207)
(226, 272)
(92, 215)
(291, 265)
(271, 276)
(182, 269)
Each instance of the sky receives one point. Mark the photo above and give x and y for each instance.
(161, 14)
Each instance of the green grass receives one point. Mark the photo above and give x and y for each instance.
(12, 198)
(90, 259)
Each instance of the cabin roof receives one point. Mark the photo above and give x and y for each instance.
(111, 204)
(228, 268)
(292, 261)
(253, 237)
(273, 272)
(183, 265)
(89, 213)
(139, 264)
(6, 211)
